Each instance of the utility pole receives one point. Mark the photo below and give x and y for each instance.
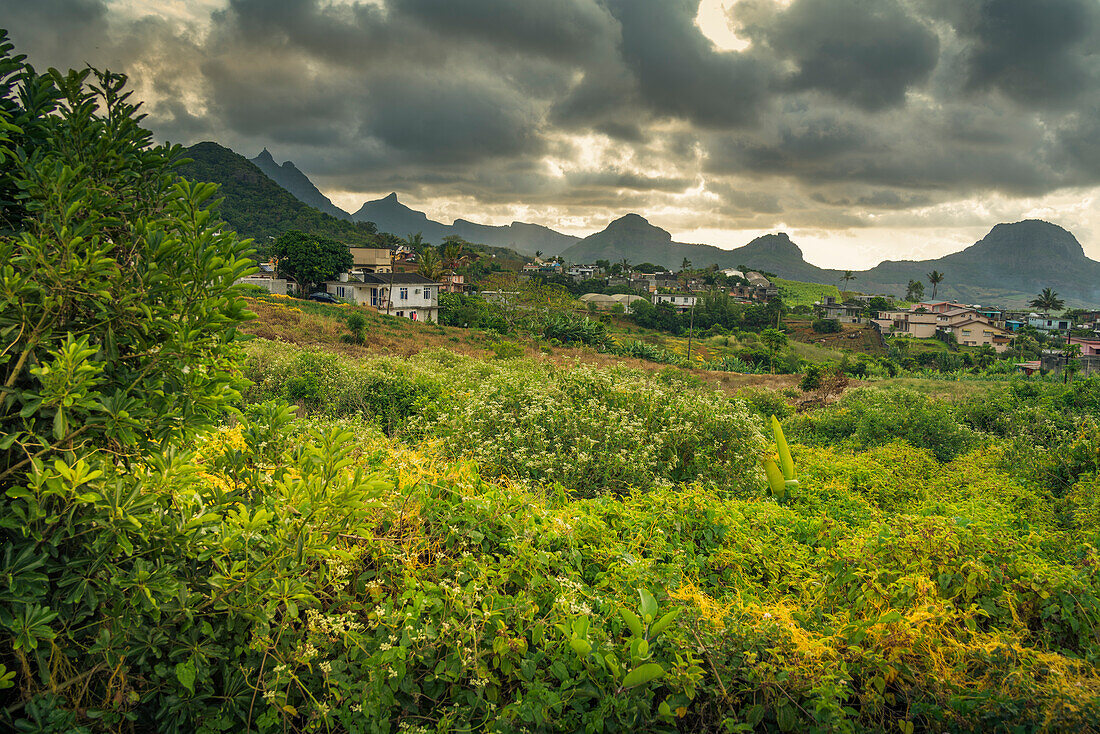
(691, 329)
(389, 293)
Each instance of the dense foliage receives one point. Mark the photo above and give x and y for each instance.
(309, 260)
(442, 543)
(255, 206)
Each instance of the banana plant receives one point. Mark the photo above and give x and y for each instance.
(782, 480)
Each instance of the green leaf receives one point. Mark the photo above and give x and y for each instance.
(776, 482)
(786, 463)
(185, 674)
(581, 647)
(786, 718)
(649, 605)
(632, 622)
(660, 625)
(643, 674)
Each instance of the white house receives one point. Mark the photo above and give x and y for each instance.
(413, 296)
(679, 301)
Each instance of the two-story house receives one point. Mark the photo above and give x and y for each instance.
(405, 295)
(979, 331)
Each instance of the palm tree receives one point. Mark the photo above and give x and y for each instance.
(626, 265)
(685, 265)
(848, 275)
(452, 250)
(415, 241)
(538, 254)
(1048, 301)
(935, 278)
(427, 263)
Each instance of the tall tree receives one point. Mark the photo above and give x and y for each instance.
(415, 242)
(1048, 301)
(452, 250)
(310, 259)
(774, 340)
(914, 291)
(935, 278)
(848, 275)
(685, 266)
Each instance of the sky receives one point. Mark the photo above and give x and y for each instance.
(865, 129)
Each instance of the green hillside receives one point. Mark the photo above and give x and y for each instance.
(796, 293)
(257, 207)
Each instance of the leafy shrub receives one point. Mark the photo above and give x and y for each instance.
(572, 330)
(766, 402)
(595, 432)
(868, 417)
(826, 326)
(507, 350)
(812, 377)
(321, 382)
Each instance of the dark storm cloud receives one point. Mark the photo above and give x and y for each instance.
(867, 52)
(836, 110)
(63, 33)
(568, 30)
(678, 71)
(1034, 51)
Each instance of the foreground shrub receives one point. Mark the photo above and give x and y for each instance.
(385, 391)
(867, 417)
(595, 431)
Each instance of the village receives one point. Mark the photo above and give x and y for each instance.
(395, 282)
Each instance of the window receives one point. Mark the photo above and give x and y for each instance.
(374, 296)
(403, 294)
(966, 332)
(412, 315)
(400, 314)
(417, 291)
(340, 291)
(427, 292)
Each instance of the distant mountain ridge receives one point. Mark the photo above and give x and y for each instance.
(290, 178)
(390, 215)
(1008, 266)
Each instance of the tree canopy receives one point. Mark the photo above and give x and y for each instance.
(310, 259)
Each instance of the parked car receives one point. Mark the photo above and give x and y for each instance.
(323, 297)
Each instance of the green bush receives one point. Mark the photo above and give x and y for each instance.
(867, 417)
(507, 350)
(595, 432)
(826, 326)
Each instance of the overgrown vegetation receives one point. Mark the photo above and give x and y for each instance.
(446, 543)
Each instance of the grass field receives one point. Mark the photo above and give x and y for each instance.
(796, 293)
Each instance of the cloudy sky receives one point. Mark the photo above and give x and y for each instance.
(867, 129)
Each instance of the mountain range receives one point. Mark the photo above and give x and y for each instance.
(1009, 266)
(390, 215)
(257, 207)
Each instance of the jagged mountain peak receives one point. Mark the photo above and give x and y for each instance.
(293, 180)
